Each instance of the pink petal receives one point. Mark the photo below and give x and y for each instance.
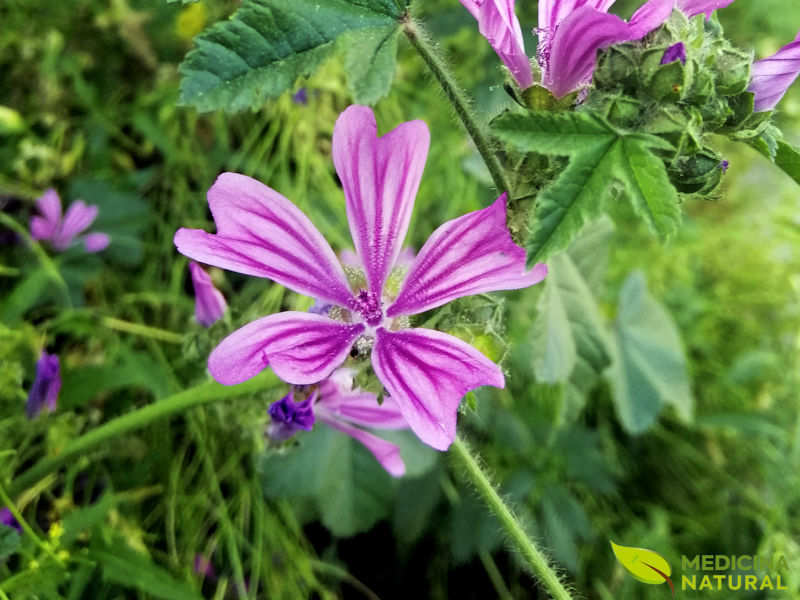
(695, 7)
(427, 373)
(301, 348)
(553, 12)
(385, 452)
(651, 15)
(210, 304)
(772, 77)
(42, 229)
(50, 206)
(469, 255)
(359, 407)
(78, 218)
(380, 177)
(498, 23)
(95, 242)
(261, 233)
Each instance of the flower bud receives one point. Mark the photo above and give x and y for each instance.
(616, 66)
(665, 81)
(698, 174)
(733, 71)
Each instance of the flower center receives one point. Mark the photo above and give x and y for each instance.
(369, 306)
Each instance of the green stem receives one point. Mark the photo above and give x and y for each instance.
(202, 394)
(458, 98)
(143, 330)
(534, 557)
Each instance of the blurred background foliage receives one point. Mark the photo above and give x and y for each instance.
(587, 453)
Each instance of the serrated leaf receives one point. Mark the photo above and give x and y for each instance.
(599, 155)
(650, 367)
(783, 154)
(568, 327)
(369, 62)
(268, 44)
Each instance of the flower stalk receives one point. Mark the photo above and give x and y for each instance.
(533, 557)
(205, 393)
(461, 103)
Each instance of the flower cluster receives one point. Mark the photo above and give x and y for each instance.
(365, 306)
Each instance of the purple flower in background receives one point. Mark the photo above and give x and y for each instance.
(209, 303)
(203, 566)
(500, 26)
(572, 31)
(60, 231)
(673, 53)
(261, 233)
(300, 96)
(338, 405)
(772, 77)
(692, 8)
(46, 384)
(7, 519)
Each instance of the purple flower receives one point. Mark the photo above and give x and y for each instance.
(61, 232)
(203, 566)
(673, 53)
(261, 233)
(692, 8)
(500, 26)
(46, 384)
(209, 303)
(724, 166)
(572, 31)
(300, 96)
(7, 519)
(288, 417)
(338, 405)
(771, 77)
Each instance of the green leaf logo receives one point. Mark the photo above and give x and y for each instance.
(645, 565)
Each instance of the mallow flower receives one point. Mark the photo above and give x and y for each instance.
(570, 34)
(261, 233)
(209, 303)
(46, 385)
(772, 77)
(335, 403)
(60, 231)
(7, 519)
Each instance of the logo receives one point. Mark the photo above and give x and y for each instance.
(645, 565)
(711, 572)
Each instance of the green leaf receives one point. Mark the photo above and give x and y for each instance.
(369, 62)
(599, 156)
(568, 327)
(268, 44)
(349, 487)
(782, 153)
(650, 368)
(124, 566)
(9, 541)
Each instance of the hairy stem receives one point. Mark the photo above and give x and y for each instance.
(533, 557)
(204, 393)
(458, 98)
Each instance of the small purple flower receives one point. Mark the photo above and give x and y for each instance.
(203, 566)
(209, 303)
(692, 8)
(288, 417)
(500, 26)
(338, 405)
(62, 232)
(261, 233)
(772, 77)
(46, 384)
(7, 519)
(300, 96)
(673, 53)
(724, 166)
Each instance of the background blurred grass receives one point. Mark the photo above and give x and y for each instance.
(96, 86)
